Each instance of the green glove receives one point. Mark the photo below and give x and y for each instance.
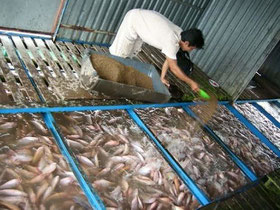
(203, 94)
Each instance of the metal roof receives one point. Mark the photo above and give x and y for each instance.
(239, 35)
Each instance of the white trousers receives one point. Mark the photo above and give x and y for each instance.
(127, 43)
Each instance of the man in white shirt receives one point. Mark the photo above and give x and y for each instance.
(148, 26)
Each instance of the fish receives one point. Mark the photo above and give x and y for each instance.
(66, 181)
(42, 190)
(102, 183)
(31, 195)
(12, 192)
(47, 193)
(85, 160)
(8, 125)
(27, 140)
(82, 202)
(75, 145)
(39, 126)
(57, 196)
(104, 171)
(37, 179)
(144, 180)
(111, 143)
(38, 154)
(55, 181)
(13, 183)
(49, 169)
(9, 205)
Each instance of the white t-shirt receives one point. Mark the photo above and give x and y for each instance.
(156, 30)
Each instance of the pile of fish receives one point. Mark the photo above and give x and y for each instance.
(242, 142)
(121, 163)
(33, 172)
(271, 131)
(201, 157)
(271, 108)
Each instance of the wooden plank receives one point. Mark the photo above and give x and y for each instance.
(80, 47)
(94, 47)
(75, 51)
(61, 60)
(37, 58)
(249, 203)
(50, 78)
(67, 53)
(41, 85)
(11, 81)
(262, 198)
(105, 49)
(41, 45)
(63, 86)
(144, 58)
(19, 69)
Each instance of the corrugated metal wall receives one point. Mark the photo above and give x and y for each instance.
(271, 67)
(98, 20)
(239, 36)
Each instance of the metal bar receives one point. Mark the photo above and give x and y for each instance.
(90, 108)
(92, 196)
(245, 169)
(80, 28)
(265, 113)
(201, 197)
(105, 107)
(30, 78)
(256, 100)
(21, 34)
(82, 42)
(60, 19)
(276, 103)
(254, 130)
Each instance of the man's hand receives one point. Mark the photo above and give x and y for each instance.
(194, 86)
(164, 81)
(179, 73)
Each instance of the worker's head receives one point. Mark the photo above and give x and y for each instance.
(191, 39)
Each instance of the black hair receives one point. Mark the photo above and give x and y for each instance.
(194, 36)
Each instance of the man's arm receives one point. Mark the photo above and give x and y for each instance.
(178, 73)
(163, 73)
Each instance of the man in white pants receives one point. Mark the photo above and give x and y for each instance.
(148, 26)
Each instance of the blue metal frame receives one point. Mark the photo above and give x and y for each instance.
(89, 108)
(200, 195)
(245, 169)
(60, 19)
(92, 196)
(254, 130)
(24, 35)
(255, 101)
(30, 78)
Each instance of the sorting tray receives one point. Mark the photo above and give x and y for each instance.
(91, 80)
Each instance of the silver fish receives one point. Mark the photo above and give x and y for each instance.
(11, 184)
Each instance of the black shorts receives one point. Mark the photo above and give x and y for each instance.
(184, 62)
